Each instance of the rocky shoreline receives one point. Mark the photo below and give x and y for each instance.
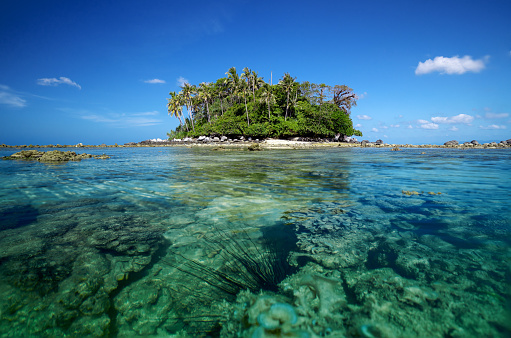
(292, 143)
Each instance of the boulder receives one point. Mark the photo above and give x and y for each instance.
(474, 142)
(223, 138)
(379, 142)
(508, 142)
(452, 143)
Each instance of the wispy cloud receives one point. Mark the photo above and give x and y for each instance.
(496, 116)
(154, 81)
(453, 128)
(460, 118)
(142, 119)
(374, 130)
(55, 82)
(149, 113)
(361, 96)
(11, 98)
(452, 65)
(493, 126)
(181, 81)
(364, 117)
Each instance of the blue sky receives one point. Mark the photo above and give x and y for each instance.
(100, 71)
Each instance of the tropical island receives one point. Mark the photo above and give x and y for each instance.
(245, 105)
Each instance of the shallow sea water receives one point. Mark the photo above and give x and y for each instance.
(167, 241)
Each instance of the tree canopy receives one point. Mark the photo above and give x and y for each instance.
(245, 105)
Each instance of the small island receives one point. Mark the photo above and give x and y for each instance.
(245, 105)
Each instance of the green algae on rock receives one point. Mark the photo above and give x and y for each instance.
(51, 156)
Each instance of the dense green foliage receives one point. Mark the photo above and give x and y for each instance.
(246, 105)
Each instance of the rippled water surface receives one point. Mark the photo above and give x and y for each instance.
(296, 243)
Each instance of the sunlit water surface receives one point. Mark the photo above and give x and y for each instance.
(374, 243)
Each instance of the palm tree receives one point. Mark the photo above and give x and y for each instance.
(175, 107)
(205, 94)
(257, 82)
(233, 81)
(188, 91)
(287, 83)
(268, 97)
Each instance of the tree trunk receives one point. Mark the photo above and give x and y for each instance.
(246, 109)
(287, 106)
(207, 109)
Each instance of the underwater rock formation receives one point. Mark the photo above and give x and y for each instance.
(61, 276)
(405, 270)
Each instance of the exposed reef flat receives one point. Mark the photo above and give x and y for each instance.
(51, 156)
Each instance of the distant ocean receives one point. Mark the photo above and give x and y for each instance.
(195, 242)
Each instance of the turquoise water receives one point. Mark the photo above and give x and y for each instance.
(167, 241)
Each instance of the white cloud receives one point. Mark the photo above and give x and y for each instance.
(181, 81)
(374, 130)
(8, 97)
(493, 126)
(453, 128)
(154, 81)
(496, 116)
(453, 65)
(55, 82)
(364, 117)
(395, 125)
(460, 118)
(427, 125)
(410, 126)
(358, 125)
